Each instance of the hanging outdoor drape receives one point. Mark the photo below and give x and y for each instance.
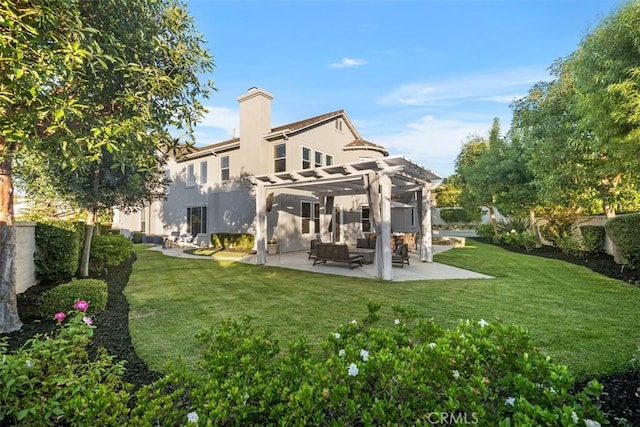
(378, 188)
(325, 218)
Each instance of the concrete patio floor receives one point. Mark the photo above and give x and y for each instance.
(298, 261)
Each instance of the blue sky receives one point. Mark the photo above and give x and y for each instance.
(417, 77)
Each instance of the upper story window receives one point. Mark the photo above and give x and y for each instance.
(203, 172)
(191, 175)
(280, 158)
(328, 160)
(339, 124)
(318, 159)
(306, 158)
(224, 168)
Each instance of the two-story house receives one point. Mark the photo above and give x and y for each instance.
(212, 188)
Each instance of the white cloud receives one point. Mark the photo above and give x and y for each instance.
(348, 62)
(432, 142)
(500, 86)
(221, 118)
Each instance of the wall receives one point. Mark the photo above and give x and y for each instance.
(25, 249)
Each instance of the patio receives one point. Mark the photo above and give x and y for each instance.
(299, 261)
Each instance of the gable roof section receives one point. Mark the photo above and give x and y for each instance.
(302, 125)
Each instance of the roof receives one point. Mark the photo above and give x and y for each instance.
(347, 179)
(360, 144)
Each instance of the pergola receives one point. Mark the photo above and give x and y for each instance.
(378, 179)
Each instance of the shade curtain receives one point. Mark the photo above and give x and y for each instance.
(424, 213)
(326, 216)
(261, 224)
(378, 188)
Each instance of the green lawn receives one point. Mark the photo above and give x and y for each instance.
(581, 318)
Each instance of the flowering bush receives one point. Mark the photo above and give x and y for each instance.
(411, 371)
(52, 381)
(57, 299)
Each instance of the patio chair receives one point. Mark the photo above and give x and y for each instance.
(313, 251)
(401, 255)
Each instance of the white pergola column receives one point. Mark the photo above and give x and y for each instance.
(426, 237)
(326, 202)
(385, 226)
(261, 224)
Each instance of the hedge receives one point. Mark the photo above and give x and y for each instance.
(243, 241)
(108, 251)
(624, 230)
(58, 249)
(63, 296)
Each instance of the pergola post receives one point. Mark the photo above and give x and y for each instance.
(426, 238)
(261, 224)
(326, 203)
(385, 226)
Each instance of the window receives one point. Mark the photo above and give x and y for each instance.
(203, 172)
(328, 160)
(197, 220)
(413, 218)
(306, 158)
(280, 158)
(143, 219)
(318, 158)
(365, 219)
(191, 176)
(310, 215)
(339, 124)
(224, 168)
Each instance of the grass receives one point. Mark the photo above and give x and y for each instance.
(217, 253)
(580, 318)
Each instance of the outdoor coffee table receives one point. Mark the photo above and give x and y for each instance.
(367, 254)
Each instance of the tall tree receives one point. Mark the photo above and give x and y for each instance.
(135, 77)
(43, 50)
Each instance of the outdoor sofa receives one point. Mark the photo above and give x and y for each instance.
(336, 253)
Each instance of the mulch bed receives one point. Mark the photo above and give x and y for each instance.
(622, 391)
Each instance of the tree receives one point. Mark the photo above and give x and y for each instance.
(449, 191)
(40, 44)
(115, 77)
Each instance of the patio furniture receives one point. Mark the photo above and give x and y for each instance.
(401, 255)
(312, 248)
(367, 254)
(369, 243)
(336, 253)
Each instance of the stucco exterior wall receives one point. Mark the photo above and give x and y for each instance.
(25, 250)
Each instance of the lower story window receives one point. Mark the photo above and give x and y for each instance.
(310, 217)
(366, 219)
(197, 220)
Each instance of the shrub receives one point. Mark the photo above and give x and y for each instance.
(525, 240)
(410, 372)
(485, 231)
(592, 238)
(569, 244)
(108, 251)
(137, 236)
(58, 250)
(62, 296)
(624, 230)
(242, 241)
(510, 224)
(460, 215)
(52, 381)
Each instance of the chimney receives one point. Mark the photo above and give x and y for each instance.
(255, 113)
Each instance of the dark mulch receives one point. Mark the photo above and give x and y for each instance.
(622, 391)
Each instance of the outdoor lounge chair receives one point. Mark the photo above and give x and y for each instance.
(336, 253)
(313, 251)
(401, 255)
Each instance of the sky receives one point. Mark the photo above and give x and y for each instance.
(417, 77)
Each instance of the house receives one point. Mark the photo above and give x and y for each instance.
(213, 188)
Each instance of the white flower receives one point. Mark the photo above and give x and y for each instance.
(591, 423)
(192, 417)
(483, 323)
(29, 364)
(432, 345)
(397, 321)
(341, 352)
(353, 370)
(337, 335)
(246, 398)
(456, 374)
(513, 231)
(510, 401)
(552, 390)
(365, 354)
(353, 322)
(574, 417)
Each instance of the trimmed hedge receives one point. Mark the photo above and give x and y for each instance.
(624, 230)
(460, 215)
(58, 249)
(64, 296)
(108, 251)
(243, 241)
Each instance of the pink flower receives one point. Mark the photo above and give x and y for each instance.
(81, 305)
(59, 316)
(87, 320)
